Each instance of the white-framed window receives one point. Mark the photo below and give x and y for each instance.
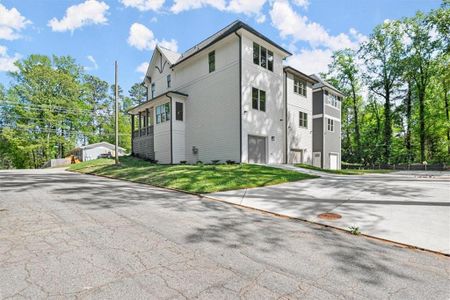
(262, 57)
(163, 113)
(302, 119)
(330, 124)
(333, 100)
(299, 86)
(258, 99)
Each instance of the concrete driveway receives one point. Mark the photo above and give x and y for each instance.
(65, 235)
(407, 207)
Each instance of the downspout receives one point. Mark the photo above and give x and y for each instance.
(323, 128)
(285, 119)
(171, 133)
(240, 96)
(132, 135)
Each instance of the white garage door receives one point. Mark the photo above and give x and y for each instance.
(256, 149)
(333, 161)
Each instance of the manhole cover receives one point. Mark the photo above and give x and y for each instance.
(329, 216)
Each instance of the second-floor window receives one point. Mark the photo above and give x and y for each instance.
(258, 99)
(212, 61)
(169, 80)
(333, 100)
(302, 119)
(153, 90)
(330, 125)
(163, 113)
(299, 86)
(262, 57)
(178, 111)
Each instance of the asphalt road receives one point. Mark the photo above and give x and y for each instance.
(65, 235)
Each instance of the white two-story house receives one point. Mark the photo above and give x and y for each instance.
(227, 98)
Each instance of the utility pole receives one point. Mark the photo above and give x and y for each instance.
(116, 113)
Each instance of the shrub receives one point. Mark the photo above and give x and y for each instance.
(215, 161)
(183, 162)
(230, 162)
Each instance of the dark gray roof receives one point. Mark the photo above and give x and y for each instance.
(299, 73)
(322, 83)
(231, 28)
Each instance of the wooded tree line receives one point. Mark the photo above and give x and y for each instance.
(396, 86)
(52, 105)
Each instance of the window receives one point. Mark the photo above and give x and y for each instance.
(330, 125)
(303, 119)
(178, 111)
(269, 60)
(212, 61)
(169, 80)
(262, 57)
(256, 53)
(163, 113)
(333, 100)
(299, 86)
(258, 99)
(153, 90)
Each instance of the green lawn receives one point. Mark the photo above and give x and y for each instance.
(190, 178)
(344, 172)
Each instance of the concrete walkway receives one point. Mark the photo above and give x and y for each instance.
(406, 207)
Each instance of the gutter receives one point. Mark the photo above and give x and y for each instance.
(240, 96)
(171, 130)
(285, 118)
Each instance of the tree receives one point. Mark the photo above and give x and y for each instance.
(421, 52)
(138, 94)
(343, 67)
(383, 54)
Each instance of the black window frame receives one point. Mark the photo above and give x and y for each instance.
(263, 57)
(153, 89)
(169, 80)
(179, 111)
(300, 86)
(212, 61)
(330, 125)
(303, 119)
(259, 99)
(270, 60)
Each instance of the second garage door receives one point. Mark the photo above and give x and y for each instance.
(256, 149)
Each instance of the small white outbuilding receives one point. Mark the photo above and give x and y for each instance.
(94, 151)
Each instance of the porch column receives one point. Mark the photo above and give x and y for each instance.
(140, 123)
(146, 121)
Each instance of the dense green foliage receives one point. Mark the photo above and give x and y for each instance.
(51, 106)
(396, 89)
(191, 178)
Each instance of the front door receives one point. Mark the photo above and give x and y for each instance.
(333, 161)
(256, 149)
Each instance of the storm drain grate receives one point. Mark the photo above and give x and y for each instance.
(329, 216)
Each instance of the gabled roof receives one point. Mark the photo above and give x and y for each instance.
(226, 31)
(322, 83)
(301, 74)
(171, 56)
(103, 144)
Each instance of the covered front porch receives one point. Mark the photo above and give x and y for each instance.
(152, 126)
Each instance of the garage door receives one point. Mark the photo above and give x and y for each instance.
(333, 161)
(296, 156)
(256, 149)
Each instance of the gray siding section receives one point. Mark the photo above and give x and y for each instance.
(317, 135)
(331, 111)
(332, 144)
(318, 102)
(144, 145)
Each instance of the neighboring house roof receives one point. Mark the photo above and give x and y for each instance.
(101, 144)
(322, 83)
(301, 74)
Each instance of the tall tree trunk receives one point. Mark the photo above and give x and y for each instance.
(387, 127)
(408, 125)
(447, 114)
(421, 95)
(357, 133)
